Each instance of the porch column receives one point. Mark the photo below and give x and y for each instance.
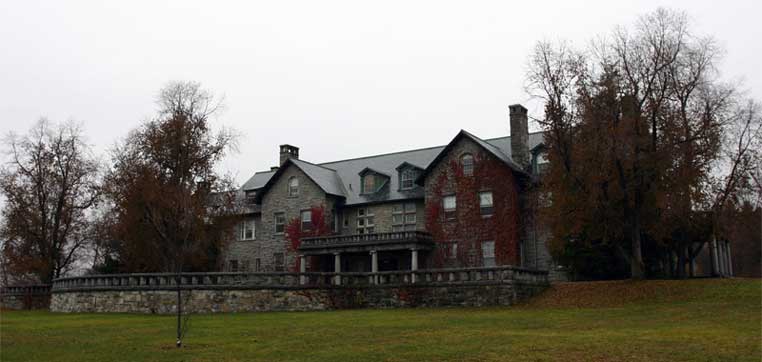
(302, 269)
(413, 263)
(337, 267)
(728, 259)
(374, 265)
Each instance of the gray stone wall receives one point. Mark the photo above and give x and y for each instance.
(277, 200)
(306, 299)
(245, 252)
(382, 216)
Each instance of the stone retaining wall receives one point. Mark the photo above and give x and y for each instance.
(306, 299)
(256, 292)
(25, 297)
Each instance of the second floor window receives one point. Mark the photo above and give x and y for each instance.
(404, 217)
(293, 187)
(449, 206)
(485, 203)
(366, 223)
(467, 161)
(306, 217)
(248, 231)
(280, 222)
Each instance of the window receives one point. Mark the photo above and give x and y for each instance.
(368, 183)
(448, 203)
(280, 222)
(245, 266)
(365, 221)
(247, 230)
(306, 217)
(279, 261)
(488, 253)
(540, 161)
(467, 161)
(334, 221)
(257, 264)
(407, 179)
(404, 217)
(293, 187)
(485, 203)
(453, 254)
(346, 219)
(233, 266)
(250, 195)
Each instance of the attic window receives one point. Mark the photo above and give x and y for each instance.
(407, 178)
(467, 161)
(293, 187)
(369, 183)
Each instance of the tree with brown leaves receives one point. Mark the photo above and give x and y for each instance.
(635, 127)
(170, 210)
(50, 183)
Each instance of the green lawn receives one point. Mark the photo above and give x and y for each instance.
(697, 320)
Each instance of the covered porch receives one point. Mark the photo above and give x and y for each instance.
(363, 253)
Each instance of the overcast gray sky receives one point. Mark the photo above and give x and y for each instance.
(337, 79)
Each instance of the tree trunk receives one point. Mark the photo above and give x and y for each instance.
(715, 258)
(636, 262)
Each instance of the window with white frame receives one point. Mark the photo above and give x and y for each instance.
(485, 203)
(366, 223)
(453, 252)
(407, 179)
(293, 187)
(488, 253)
(306, 217)
(280, 222)
(449, 206)
(404, 217)
(467, 161)
(248, 230)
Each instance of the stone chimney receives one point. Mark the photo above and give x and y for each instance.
(519, 135)
(288, 151)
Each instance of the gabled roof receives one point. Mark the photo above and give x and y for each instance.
(495, 151)
(407, 165)
(368, 169)
(348, 170)
(325, 178)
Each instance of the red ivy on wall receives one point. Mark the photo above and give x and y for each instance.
(469, 228)
(294, 233)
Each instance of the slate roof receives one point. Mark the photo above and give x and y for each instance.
(327, 179)
(342, 178)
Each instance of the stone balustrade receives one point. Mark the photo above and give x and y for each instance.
(400, 236)
(287, 280)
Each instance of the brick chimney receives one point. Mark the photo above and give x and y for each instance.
(288, 151)
(519, 135)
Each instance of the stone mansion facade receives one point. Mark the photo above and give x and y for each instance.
(464, 204)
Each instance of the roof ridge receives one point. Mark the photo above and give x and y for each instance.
(313, 164)
(381, 154)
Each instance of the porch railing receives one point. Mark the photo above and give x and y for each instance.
(285, 280)
(322, 241)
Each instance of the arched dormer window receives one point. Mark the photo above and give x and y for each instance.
(467, 162)
(293, 187)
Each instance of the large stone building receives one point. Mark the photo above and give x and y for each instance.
(463, 204)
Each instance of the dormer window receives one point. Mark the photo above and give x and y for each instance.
(467, 162)
(369, 183)
(293, 187)
(407, 179)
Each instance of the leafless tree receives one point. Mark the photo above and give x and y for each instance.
(50, 182)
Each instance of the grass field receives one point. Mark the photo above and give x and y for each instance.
(696, 320)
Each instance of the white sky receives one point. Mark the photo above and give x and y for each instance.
(337, 79)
